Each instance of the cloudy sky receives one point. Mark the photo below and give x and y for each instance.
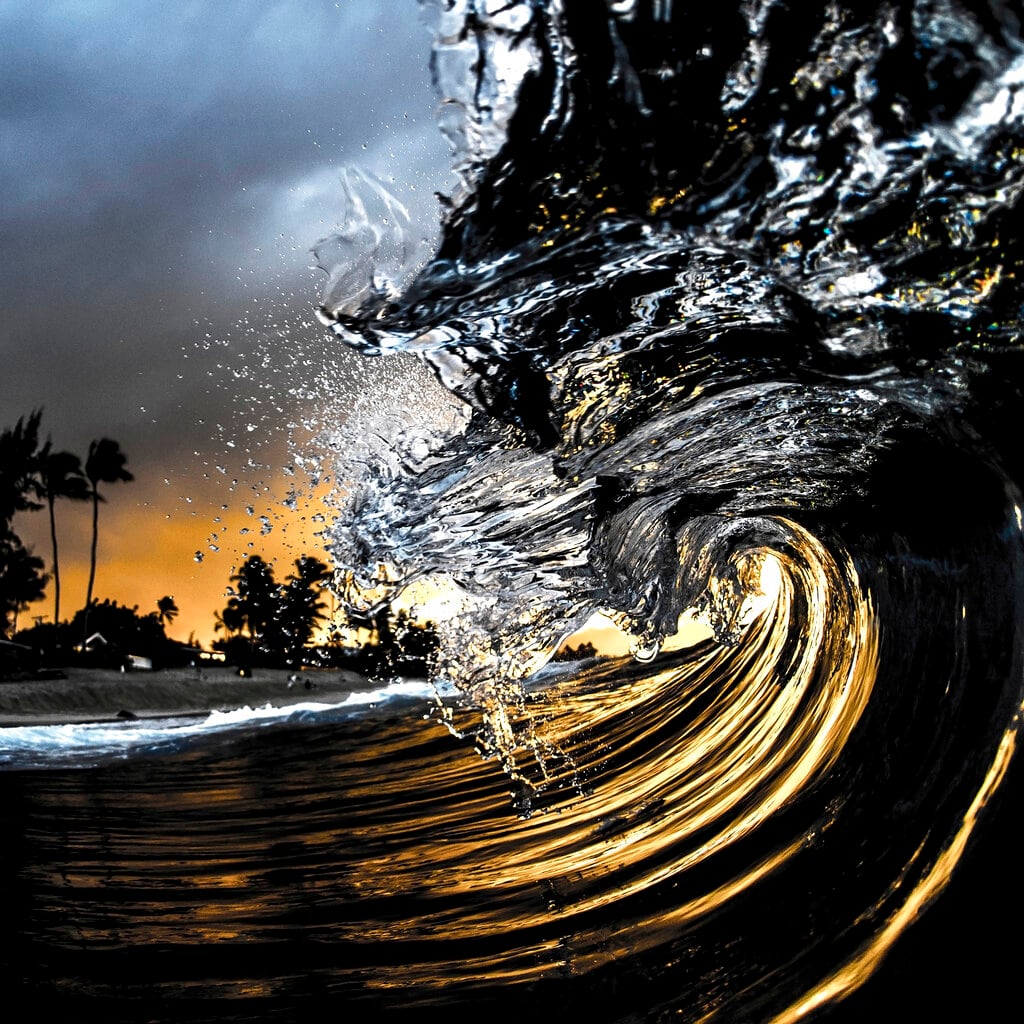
(165, 170)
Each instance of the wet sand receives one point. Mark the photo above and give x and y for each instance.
(91, 695)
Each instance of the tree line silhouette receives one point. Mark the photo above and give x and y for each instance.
(272, 624)
(264, 623)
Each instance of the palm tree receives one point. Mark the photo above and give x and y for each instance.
(231, 619)
(302, 604)
(60, 476)
(19, 452)
(104, 463)
(168, 610)
(258, 598)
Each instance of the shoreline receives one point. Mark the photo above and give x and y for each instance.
(107, 695)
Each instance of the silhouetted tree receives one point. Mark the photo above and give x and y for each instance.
(167, 610)
(22, 580)
(399, 645)
(19, 462)
(124, 631)
(302, 605)
(105, 463)
(231, 619)
(21, 573)
(568, 653)
(257, 596)
(417, 646)
(45, 636)
(271, 623)
(59, 476)
(381, 653)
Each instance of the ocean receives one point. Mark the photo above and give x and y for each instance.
(723, 324)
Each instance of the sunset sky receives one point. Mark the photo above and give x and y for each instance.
(166, 170)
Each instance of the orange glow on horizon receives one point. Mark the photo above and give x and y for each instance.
(146, 552)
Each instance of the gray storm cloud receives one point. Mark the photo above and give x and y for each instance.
(166, 172)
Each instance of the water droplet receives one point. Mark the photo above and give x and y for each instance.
(646, 652)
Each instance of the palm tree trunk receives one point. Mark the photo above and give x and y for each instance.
(56, 565)
(92, 560)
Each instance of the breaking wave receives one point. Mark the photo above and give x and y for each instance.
(725, 287)
(720, 341)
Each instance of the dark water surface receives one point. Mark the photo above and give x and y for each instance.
(375, 867)
(723, 326)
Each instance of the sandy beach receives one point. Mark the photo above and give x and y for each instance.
(90, 695)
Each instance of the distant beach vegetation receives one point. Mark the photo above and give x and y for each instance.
(264, 623)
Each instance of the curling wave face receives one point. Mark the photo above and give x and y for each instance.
(725, 286)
